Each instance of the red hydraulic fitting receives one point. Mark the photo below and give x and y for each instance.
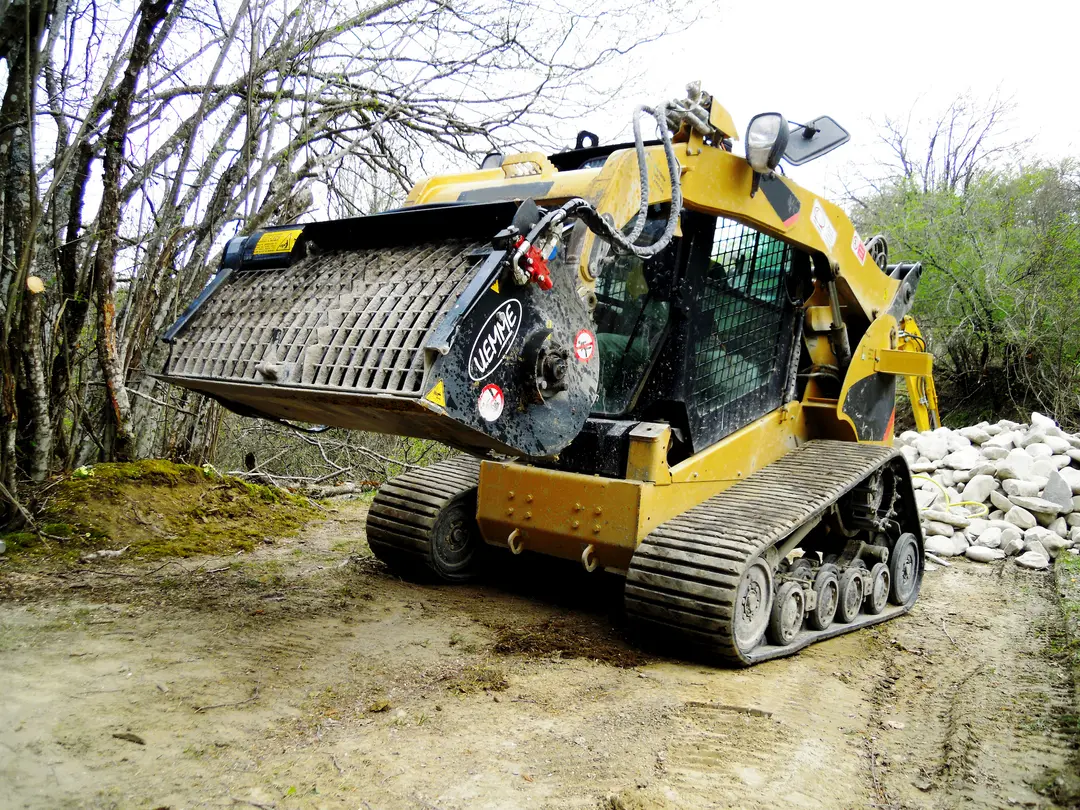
(536, 266)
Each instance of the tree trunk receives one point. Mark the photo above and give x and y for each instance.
(20, 34)
(118, 405)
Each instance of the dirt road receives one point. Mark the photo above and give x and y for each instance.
(305, 675)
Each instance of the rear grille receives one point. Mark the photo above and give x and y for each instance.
(351, 320)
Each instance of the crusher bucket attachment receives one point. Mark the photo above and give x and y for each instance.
(409, 322)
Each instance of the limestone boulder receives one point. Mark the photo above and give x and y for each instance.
(940, 529)
(1038, 420)
(983, 554)
(975, 434)
(978, 489)
(1036, 504)
(931, 447)
(1000, 501)
(951, 518)
(1071, 475)
(945, 546)
(1057, 444)
(1018, 487)
(1015, 465)
(1021, 518)
(1058, 492)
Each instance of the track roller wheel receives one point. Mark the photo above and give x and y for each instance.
(851, 594)
(788, 612)
(878, 597)
(753, 606)
(802, 569)
(905, 570)
(827, 590)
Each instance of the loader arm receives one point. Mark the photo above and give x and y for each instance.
(921, 391)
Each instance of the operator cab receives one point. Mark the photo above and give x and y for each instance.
(702, 336)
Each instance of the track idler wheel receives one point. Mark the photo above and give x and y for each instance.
(905, 569)
(753, 606)
(880, 581)
(851, 594)
(788, 612)
(456, 545)
(827, 591)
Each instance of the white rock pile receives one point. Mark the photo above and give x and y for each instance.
(993, 491)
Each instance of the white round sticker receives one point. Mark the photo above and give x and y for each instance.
(584, 345)
(491, 402)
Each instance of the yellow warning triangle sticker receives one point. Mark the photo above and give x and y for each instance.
(495, 287)
(437, 394)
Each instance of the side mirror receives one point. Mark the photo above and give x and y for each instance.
(814, 139)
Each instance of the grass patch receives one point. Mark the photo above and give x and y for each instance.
(156, 509)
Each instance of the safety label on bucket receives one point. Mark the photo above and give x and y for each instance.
(584, 345)
(491, 402)
(437, 395)
(277, 242)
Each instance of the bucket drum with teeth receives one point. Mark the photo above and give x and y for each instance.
(407, 323)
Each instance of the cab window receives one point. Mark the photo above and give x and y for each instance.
(631, 318)
(741, 343)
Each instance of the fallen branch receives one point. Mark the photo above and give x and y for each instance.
(333, 492)
(253, 804)
(946, 632)
(938, 560)
(252, 699)
(15, 502)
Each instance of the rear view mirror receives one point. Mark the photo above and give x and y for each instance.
(814, 139)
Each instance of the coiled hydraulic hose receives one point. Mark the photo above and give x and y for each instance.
(578, 208)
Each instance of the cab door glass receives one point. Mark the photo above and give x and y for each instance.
(743, 325)
(631, 317)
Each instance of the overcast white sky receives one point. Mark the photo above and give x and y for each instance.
(854, 60)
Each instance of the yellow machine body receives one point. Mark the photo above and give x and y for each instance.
(572, 514)
(697, 390)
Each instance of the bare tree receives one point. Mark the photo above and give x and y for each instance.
(167, 126)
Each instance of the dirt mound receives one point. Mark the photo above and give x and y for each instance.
(155, 509)
(564, 638)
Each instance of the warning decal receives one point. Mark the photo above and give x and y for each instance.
(584, 345)
(824, 226)
(495, 287)
(858, 248)
(437, 395)
(277, 242)
(491, 402)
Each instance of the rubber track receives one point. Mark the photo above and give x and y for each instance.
(405, 509)
(683, 579)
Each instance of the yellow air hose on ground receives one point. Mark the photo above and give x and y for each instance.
(950, 504)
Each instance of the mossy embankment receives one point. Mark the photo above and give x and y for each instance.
(154, 508)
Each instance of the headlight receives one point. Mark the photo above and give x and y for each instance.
(766, 140)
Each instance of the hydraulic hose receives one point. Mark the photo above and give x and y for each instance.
(578, 208)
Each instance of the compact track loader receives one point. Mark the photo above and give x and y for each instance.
(662, 359)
